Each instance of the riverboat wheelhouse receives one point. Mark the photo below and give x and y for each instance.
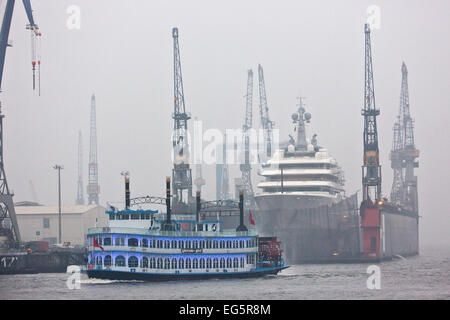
(152, 246)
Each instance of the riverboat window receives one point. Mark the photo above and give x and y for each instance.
(216, 263)
(228, 244)
(248, 243)
(167, 244)
(145, 242)
(229, 263)
(241, 244)
(159, 243)
(235, 262)
(119, 241)
(153, 243)
(181, 244)
(112, 216)
(153, 263)
(181, 263)
(99, 261)
(144, 262)
(215, 244)
(195, 244)
(159, 266)
(120, 261)
(242, 262)
(222, 262)
(134, 216)
(202, 263)
(107, 241)
(174, 263)
(125, 217)
(132, 262)
(195, 263)
(132, 242)
(222, 244)
(208, 263)
(174, 244)
(188, 244)
(208, 244)
(202, 244)
(107, 261)
(166, 263)
(188, 263)
(235, 244)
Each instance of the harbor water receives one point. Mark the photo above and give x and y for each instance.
(421, 277)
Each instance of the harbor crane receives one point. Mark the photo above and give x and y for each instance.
(371, 169)
(404, 153)
(246, 167)
(8, 219)
(371, 205)
(266, 123)
(181, 172)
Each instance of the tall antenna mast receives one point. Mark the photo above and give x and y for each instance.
(80, 197)
(93, 189)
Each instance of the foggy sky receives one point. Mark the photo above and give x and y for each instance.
(123, 54)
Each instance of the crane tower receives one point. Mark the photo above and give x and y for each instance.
(246, 167)
(266, 123)
(8, 220)
(181, 172)
(404, 154)
(371, 169)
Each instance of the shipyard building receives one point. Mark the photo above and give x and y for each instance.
(41, 223)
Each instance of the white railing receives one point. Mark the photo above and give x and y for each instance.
(137, 231)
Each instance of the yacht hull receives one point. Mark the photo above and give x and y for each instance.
(311, 229)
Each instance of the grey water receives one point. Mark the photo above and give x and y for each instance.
(426, 276)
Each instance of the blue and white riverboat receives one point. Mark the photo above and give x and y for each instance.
(153, 246)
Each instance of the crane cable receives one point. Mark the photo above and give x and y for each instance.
(33, 55)
(38, 47)
(36, 55)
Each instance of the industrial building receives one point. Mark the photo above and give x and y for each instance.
(38, 222)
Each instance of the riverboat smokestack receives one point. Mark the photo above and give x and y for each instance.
(127, 193)
(197, 212)
(169, 211)
(168, 226)
(241, 226)
(125, 174)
